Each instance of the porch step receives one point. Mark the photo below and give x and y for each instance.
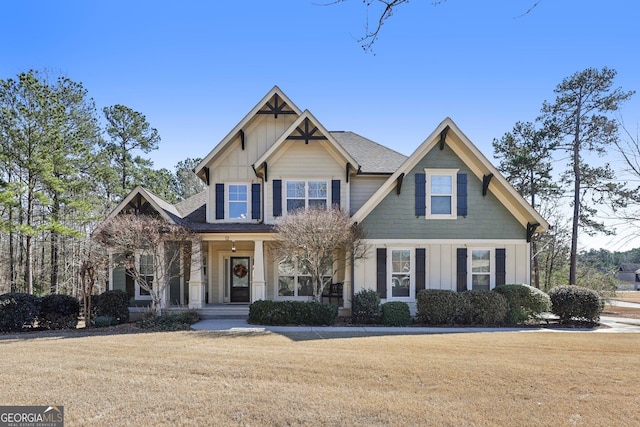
(224, 312)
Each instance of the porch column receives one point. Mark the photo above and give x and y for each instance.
(346, 289)
(258, 284)
(196, 280)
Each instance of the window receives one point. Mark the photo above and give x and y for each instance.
(480, 269)
(296, 282)
(304, 194)
(400, 271)
(238, 200)
(441, 193)
(146, 270)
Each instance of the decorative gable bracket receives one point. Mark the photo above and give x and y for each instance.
(307, 134)
(276, 108)
(531, 229)
(443, 137)
(486, 180)
(399, 183)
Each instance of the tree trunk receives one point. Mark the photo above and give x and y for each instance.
(573, 259)
(55, 239)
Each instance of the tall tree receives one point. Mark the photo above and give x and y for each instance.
(187, 183)
(524, 155)
(580, 118)
(129, 132)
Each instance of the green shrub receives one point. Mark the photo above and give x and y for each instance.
(170, 322)
(439, 307)
(366, 307)
(524, 302)
(18, 310)
(576, 303)
(104, 321)
(59, 312)
(396, 313)
(265, 312)
(114, 304)
(483, 308)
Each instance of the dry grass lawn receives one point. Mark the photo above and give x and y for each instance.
(207, 379)
(628, 296)
(617, 311)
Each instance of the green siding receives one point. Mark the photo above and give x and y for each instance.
(123, 282)
(394, 217)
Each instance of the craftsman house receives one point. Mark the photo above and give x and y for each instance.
(442, 218)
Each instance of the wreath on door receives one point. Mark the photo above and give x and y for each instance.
(239, 270)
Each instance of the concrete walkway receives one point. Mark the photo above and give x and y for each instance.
(613, 325)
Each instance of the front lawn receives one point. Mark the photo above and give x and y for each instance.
(204, 378)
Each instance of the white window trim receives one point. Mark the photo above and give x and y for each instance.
(412, 274)
(293, 297)
(306, 181)
(453, 173)
(138, 295)
(492, 266)
(227, 203)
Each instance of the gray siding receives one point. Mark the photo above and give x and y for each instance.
(394, 217)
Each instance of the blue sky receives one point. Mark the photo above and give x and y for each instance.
(195, 68)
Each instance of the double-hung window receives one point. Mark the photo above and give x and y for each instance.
(146, 273)
(238, 201)
(481, 269)
(305, 194)
(441, 193)
(295, 281)
(400, 270)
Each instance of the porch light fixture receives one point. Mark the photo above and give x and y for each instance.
(233, 246)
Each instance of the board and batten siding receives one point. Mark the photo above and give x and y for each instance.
(487, 218)
(234, 164)
(362, 188)
(300, 161)
(441, 265)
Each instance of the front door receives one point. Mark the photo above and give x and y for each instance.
(240, 279)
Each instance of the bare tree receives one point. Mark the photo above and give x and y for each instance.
(151, 249)
(314, 238)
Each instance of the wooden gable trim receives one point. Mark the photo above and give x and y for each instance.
(242, 139)
(486, 180)
(307, 135)
(348, 169)
(276, 108)
(206, 175)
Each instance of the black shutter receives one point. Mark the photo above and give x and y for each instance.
(462, 194)
(501, 266)
(335, 193)
(421, 276)
(277, 197)
(255, 201)
(421, 193)
(461, 269)
(381, 272)
(219, 201)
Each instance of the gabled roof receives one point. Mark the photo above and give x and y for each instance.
(477, 163)
(303, 125)
(629, 268)
(372, 157)
(265, 101)
(164, 208)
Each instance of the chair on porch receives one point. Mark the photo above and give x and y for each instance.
(333, 291)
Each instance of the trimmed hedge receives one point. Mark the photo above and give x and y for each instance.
(114, 304)
(524, 301)
(483, 308)
(104, 321)
(265, 312)
(18, 311)
(170, 322)
(439, 307)
(576, 303)
(59, 312)
(396, 313)
(366, 307)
